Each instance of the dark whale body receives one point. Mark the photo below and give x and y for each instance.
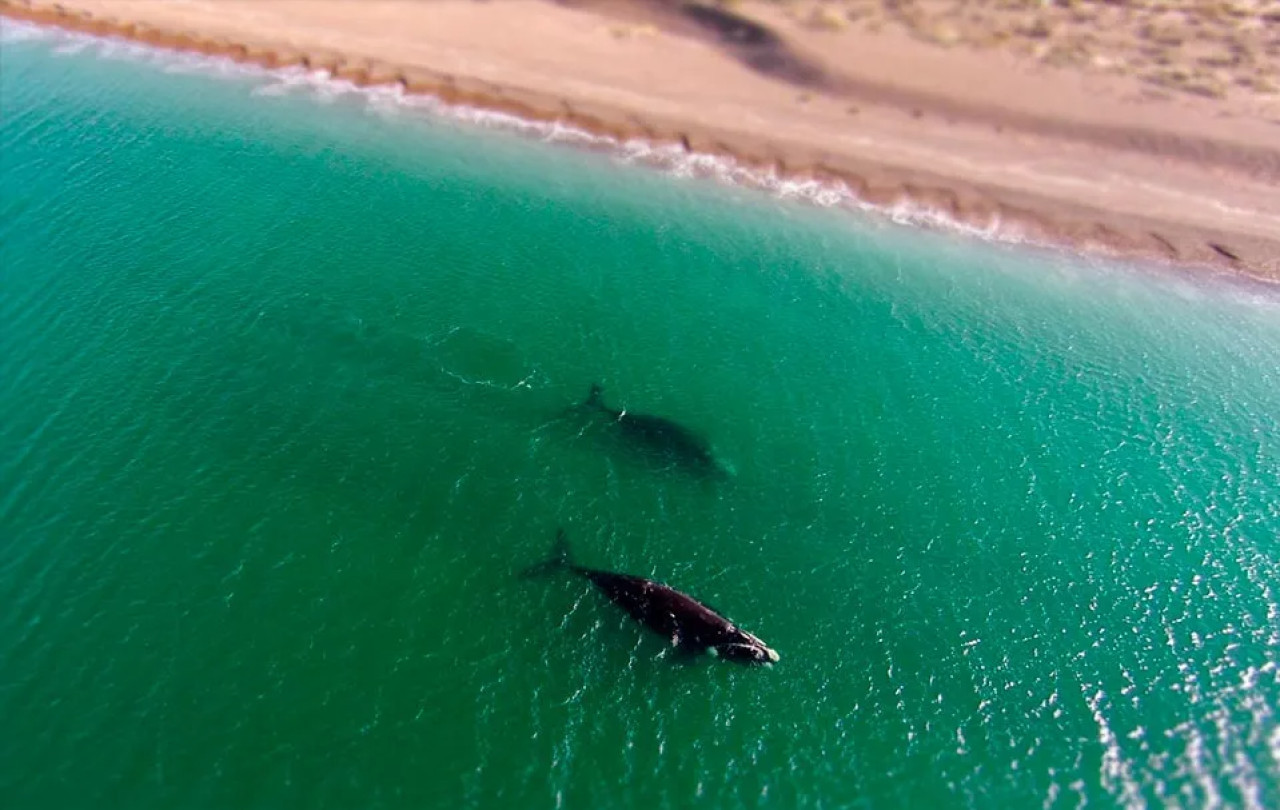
(690, 625)
(658, 436)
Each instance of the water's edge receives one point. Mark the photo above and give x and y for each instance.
(667, 147)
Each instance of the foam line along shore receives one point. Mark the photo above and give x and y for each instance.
(1196, 203)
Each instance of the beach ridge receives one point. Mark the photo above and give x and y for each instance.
(986, 200)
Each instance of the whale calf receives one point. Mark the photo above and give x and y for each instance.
(657, 436)
(690, 625)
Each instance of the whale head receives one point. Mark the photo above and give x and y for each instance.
(747, 652)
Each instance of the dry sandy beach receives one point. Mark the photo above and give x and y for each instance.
(1148, 129)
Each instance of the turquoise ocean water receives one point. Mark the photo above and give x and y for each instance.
(281, 389)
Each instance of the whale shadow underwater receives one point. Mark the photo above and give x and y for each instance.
(691, 626)
(660, 441)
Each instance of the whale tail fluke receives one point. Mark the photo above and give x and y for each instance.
(560, 558)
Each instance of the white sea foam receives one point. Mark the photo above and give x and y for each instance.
(18, 31)
(288, 79)
(673, 159)
(70, 48)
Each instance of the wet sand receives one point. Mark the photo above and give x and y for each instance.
(1148, 131)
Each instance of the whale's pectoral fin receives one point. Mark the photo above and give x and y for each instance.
(684, 654)
(675, 639)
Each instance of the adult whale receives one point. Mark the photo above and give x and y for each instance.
(657, 436)
(690, 625)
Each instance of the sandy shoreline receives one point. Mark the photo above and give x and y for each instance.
(1053, 154)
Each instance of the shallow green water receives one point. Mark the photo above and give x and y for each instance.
(279, 397)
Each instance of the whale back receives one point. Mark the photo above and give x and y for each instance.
(664, 434)
(674, 615)
(657, 435)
